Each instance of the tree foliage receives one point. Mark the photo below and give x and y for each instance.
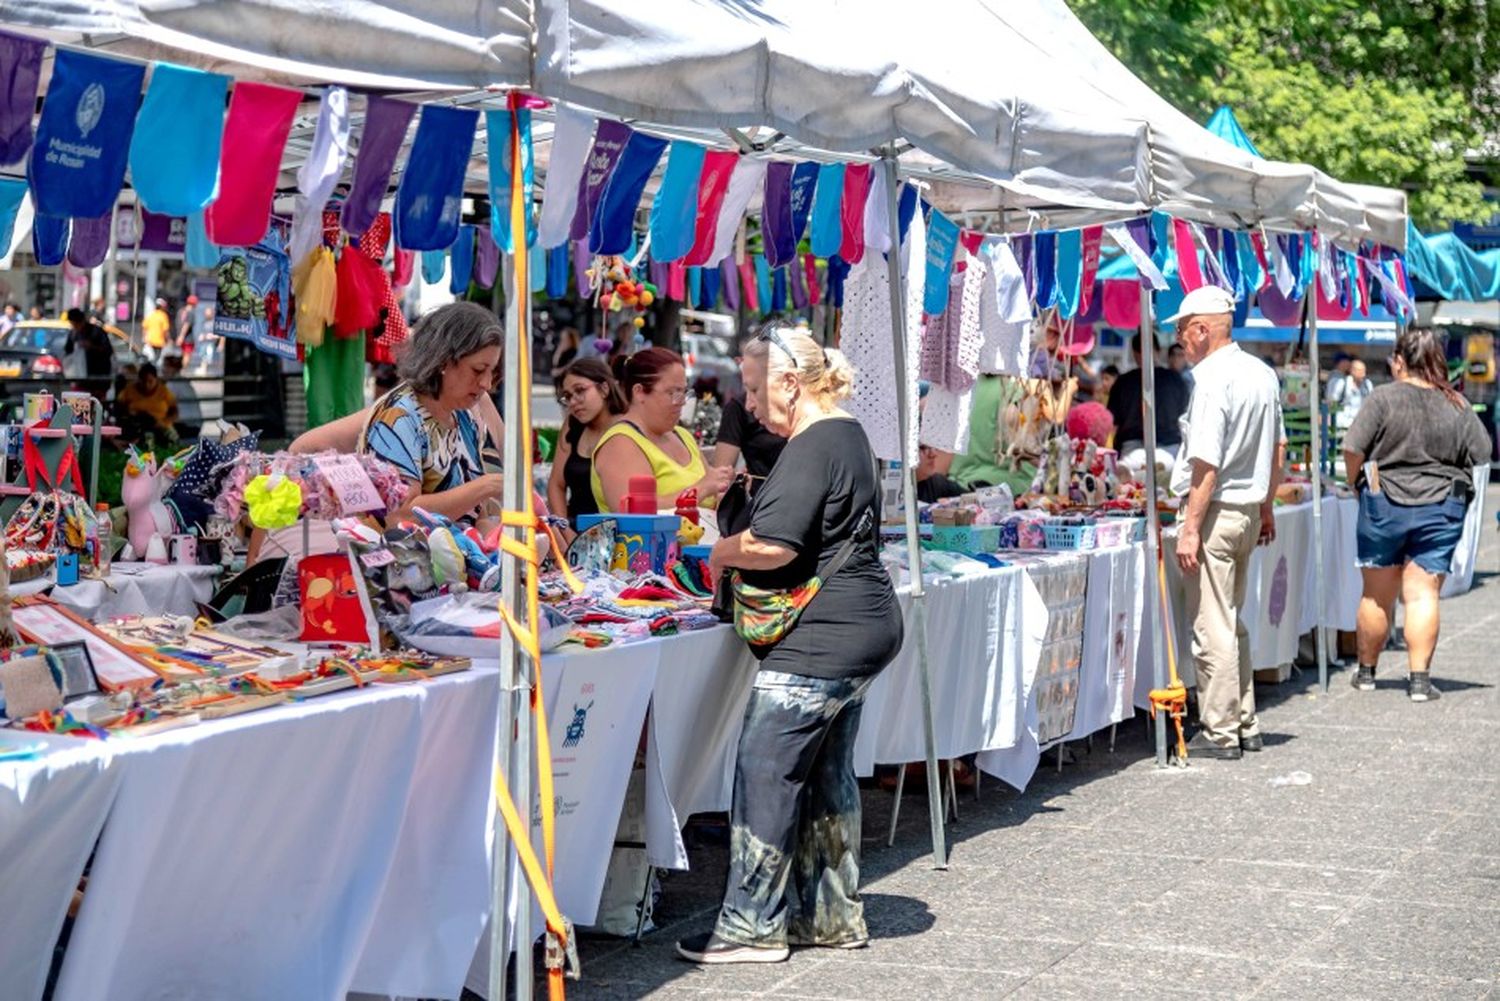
(1391, 94)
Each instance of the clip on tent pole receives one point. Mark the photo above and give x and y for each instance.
(909, 497)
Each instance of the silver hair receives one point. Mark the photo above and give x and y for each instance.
(441, 338)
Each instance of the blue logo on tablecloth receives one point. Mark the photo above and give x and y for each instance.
(575, 728)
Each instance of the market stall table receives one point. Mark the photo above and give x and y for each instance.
(132, 589)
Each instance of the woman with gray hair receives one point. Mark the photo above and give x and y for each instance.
(424, 427)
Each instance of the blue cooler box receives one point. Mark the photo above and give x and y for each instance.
(644, 543)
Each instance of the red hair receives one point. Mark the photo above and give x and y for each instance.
(645, 368)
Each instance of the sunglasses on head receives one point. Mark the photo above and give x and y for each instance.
(773, 336)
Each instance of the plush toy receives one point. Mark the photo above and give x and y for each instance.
(142, 490)
(619, 291)
(483, 567)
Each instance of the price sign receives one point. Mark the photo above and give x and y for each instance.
(351, 485)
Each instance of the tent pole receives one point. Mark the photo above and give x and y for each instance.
(909, 496)
(515, 720)
(1156, 618)
(1316, 462)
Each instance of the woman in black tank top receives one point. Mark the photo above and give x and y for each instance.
(593, 401)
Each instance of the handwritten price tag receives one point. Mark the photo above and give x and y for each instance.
(351, 485)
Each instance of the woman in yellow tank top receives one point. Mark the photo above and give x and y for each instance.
(648, 440)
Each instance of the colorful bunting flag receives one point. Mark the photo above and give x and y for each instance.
(942, 242)
(1188, 272)
(610, 138)
(386, 122)
(461, 261)
(12, 192)
(174, 154)
(83, 137)
(776, 214)
(804, 181)
(255, 131)
(49, 239)
(747, 179)
(1093, 238)
(21, 73)
(320, 172)
(675, 207)
(570, 148)
(613, 226)
(430, 196)
(856, 191)
(1044, 260)
(88, 245)
(718, 168)
(827, 210)
(497, 134)
(1069, 272)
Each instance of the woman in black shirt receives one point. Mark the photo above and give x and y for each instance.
(795, 822)
(593, 401)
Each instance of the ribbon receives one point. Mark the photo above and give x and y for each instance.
(675, 206)
(1188, 272)
(320, 172)
(12, 191)
(942, 241)
(487, 263)
(430, 196)
(461, 261)
(179, 132)
(20, 74)
(255, 131)
(609, 142)
(49, 239)
(613, 226)
(827, 208)
(570, 147)
(83, 137)
(747, 179)
(718, 168)
(89, 244)
(856, 191)
(1069, 272)
(386, 121)
(776, 214)
(1044, 260)
(497, 127)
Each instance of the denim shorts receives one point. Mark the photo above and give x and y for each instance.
(1391, 534)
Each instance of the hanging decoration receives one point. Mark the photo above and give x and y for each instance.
(434, 263)
(199, 250)
(675, 205)
(729, 281)
(487, 260)
(747, 179)
(762, 283)
(320, 172)
(430, 196)
(613, 225)
(174, 154)
(88, 245)
(827, 209)
(12, 193)
(1069, 272)
(386, 121)
(255, 131)
(877, 220)
(1044, 260)
(461, 261)
(497, 127)
(852, 214)
(557, 271)
(21, 73)
(718, 167)
(255, 297)
(570, 147)
(776, 214)
(49, 239)
(610, 138)
(83, 137)
(1188, 273)
(749, 287)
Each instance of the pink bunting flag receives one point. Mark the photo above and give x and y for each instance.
(1093, 238)
(713, 184)
(677, 281)
(255, 131)
(852, 214)
(810, 270)
(1188, 271)
(749, 287)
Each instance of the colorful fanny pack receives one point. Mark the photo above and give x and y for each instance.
(764, 616)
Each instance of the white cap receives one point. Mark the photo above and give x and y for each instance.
(1206, 300)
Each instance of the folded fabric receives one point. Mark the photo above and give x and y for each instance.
(255, 131)
(776, 214)
(386, 121)
(674, 208)
(88, 245)
(612, 228)
(570, 147)
(610, 138)
(49, 239)
(430, 196)
(827, 209)
(713, 185)
(20, 75)
(174, 155)
(461, 261)
(83, 137)
(497, 126)
(852, 218)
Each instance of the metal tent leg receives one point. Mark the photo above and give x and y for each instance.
(896, 805)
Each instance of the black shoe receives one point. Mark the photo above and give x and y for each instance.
(1202, 747)
(711, 950)
(1419, 688)
(807, 943)
(1254, 742)
(1364, 679)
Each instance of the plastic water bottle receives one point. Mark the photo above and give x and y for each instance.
(106, 542)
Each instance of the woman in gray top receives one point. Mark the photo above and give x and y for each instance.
(1414, 446)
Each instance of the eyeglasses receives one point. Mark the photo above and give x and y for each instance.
(675, 395)
(566, 397)
(773, 336)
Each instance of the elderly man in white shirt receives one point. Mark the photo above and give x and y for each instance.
(1228, 467)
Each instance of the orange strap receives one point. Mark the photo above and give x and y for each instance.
(1172, 699)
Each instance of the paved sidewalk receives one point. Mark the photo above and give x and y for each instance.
(1380, 878)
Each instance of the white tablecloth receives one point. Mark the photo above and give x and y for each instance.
(301, 851)
(51, 812)
(1461, 573)
(133, 589)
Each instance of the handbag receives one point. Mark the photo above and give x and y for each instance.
(764, 616)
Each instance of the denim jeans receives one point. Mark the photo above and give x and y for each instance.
(795, 824)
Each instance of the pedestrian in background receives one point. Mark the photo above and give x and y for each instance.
(1228, 468)
(1413, 448)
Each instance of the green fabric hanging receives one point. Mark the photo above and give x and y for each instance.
(333, 377)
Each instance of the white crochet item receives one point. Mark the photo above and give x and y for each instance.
(867, 340)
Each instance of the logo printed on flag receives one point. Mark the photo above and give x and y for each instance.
(90, 109)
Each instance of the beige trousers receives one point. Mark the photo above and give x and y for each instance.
(1221, 643)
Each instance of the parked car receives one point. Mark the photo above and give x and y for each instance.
(37, 350)
(709, 357)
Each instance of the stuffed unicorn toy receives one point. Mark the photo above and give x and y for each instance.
(144, 486)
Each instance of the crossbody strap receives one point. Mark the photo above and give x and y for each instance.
(846, 551)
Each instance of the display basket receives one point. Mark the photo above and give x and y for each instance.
(967, 540)
(1110, 532)
(1062, 535)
